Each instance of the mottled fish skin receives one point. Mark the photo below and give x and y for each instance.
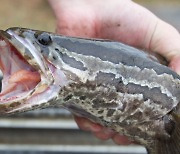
(113, 84)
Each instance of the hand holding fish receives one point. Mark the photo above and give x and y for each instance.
(122, 88)
(119, 20)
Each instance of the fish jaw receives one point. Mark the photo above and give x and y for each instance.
(28, 79)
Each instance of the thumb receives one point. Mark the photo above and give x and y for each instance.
(166, 41)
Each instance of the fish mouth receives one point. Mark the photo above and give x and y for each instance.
(18, 76)
(29, 80)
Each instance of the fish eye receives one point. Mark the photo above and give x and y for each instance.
(43, 38)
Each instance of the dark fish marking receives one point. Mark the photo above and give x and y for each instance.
(136, 116)
(72, 61)
(56, 49)
(105, 78)
(169, 124)
(110, 112)
(101, 103)
(114, 52)
(109, 79)
(54, 57)
(154, 94)
(100, 111)
(68, 97)
(83, 97)
(135, 104)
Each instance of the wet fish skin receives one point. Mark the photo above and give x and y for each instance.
(115, 85)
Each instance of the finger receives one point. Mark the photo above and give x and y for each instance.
(122, 140)
(87, 125)
(75, 17)
(104, 134)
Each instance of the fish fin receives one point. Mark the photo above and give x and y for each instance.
(172, 145)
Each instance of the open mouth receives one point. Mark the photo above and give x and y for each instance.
(18, 76)
(30, 79)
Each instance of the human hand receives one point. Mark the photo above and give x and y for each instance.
(120, 20)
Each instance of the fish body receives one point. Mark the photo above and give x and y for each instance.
(108, 82)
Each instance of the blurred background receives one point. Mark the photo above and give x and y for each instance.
(53, 130)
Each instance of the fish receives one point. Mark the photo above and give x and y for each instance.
(128, 90)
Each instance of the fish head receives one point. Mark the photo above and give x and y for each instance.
(30, 76)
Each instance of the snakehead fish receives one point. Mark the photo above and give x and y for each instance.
(110, 83)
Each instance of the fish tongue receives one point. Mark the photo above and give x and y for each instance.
(24, 76)
(21, 80)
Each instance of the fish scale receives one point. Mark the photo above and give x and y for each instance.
(108, 82)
